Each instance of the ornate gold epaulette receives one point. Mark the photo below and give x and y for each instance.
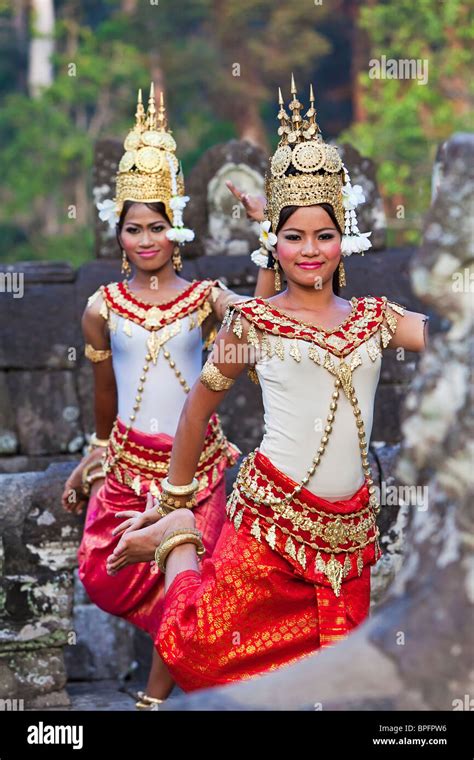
(388, 331)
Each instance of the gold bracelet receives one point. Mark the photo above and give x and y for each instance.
(88, 476)
(96, 442)
(174, 539)
(168, 500)
(180, 490)
(213, 378)
(96, 354)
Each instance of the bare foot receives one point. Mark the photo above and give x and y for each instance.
(140, 545)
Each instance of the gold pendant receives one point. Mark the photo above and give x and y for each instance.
(238, 519)
(290, 548)
(237, 328)
(301, 556)
(313, 354)
(252, 337)
(319, 563)
(232, 503)
(347, 566)
(153, 318)
(271, 536)
(295, 351)
(255, 530)
(333, 573)
(136, 485)
(153, 346)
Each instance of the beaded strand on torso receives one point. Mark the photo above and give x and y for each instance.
(164, 318)
(365, 320)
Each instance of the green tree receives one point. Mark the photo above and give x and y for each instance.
(402, 122)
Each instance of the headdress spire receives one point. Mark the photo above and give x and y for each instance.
(306, 171)
(149, 171)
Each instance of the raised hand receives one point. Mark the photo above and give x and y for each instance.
(254, 205)
(134, 520)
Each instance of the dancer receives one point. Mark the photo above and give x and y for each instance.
(145, 340)
(290, 573)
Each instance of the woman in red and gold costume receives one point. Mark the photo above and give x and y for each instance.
(290, 573)
(145, 338)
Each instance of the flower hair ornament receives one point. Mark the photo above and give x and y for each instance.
(149, 171)
(306, 171)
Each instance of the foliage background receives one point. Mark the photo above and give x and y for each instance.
(101, 51)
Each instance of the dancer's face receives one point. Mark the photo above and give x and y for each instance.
(309, 247)
(144, 240)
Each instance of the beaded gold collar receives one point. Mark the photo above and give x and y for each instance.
(367, 316)
(119, 299)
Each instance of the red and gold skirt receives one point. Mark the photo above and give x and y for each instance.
(136, 593)
(284, 581)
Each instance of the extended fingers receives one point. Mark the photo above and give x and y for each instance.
(113, 564)
(123, 526)
(128, 513)
(234, 190)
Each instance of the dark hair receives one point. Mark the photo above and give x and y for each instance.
(288, 211)
(159, 207)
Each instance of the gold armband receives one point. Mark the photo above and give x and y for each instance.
(213, 378)
(97, 354)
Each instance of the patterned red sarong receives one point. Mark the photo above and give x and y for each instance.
(136, 593)
(254, 608)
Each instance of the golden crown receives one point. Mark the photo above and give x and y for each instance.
(300, 153)
(305, 171)
(149, 170)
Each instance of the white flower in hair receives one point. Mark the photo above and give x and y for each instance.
(108, 212)
(259, 258)
(180, 234)
(353, 196)
(267, 238)
(357, 243)
(178, 202)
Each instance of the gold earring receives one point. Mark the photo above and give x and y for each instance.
(126, 268)
(341, 274)
(276, 269)
(177, 261)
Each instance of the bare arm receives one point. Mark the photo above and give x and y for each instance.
(412, 331)
(201, 403)
(96, 334)
(189, 439)
(255, 209)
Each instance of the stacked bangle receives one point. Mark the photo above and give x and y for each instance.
(168, 498)
(179, 490)
(91, 472)
(174, 539)
(96, 442)
(168, 502)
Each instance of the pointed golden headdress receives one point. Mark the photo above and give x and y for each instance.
(305, 171)
(149, 171)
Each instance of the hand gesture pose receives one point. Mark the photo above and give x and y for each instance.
(253, 204)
